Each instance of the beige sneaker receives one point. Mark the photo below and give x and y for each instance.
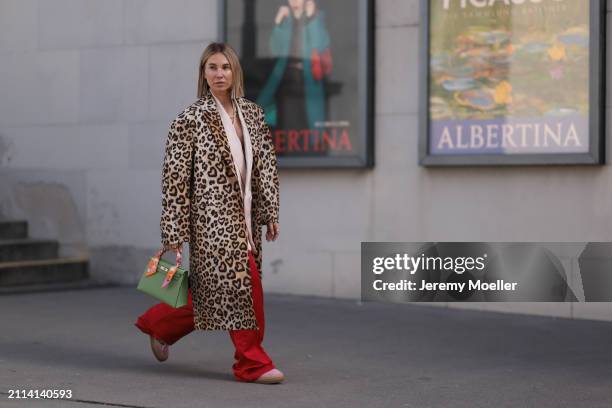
(160, 349)
(273, 376)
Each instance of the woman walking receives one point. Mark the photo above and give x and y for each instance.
(219, 187)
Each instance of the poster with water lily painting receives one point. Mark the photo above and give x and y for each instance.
(308, 64)
(512, 82)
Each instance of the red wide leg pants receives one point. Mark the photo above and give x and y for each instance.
(169, 324)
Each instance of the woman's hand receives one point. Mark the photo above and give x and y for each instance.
(174, 247)
(311, 8)
(283, 11)
(273, 231)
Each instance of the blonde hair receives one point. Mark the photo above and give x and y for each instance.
(234, 61)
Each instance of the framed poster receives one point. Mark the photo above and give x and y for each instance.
(512, 82)
(308, 63)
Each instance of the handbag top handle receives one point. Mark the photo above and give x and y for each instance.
(154, 261)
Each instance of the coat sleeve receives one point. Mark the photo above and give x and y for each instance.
(176, 181)
(268, 183)
(280, 39)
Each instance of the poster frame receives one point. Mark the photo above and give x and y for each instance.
(597, 93)
(366, 78)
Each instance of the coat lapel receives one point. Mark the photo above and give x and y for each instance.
(253, 134)
(213, 118)
(249, 123)
(249, 143)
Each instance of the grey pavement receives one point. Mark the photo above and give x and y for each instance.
(335, 353)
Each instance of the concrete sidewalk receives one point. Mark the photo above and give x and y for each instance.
(334, 354)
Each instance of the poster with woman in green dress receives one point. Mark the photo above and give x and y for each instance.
(306, 63)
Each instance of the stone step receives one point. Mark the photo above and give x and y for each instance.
(43, 271)
(52, 287)
(13, 229)
(27, 249)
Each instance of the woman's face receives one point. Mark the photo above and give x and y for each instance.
(218, 74)
(297, 6)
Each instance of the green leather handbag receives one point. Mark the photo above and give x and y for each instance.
(164, 281)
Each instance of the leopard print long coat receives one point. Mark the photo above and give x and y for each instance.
(202, 204)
